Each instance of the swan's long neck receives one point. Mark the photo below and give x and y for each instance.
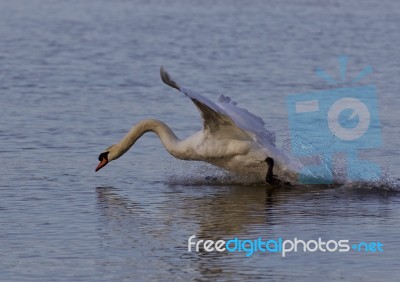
(167, 137)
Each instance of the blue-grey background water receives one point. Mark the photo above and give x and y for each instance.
(76, 75)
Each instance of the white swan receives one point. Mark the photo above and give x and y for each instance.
(232, 138)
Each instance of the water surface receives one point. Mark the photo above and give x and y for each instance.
(76, 75)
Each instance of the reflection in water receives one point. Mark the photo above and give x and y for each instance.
(109, 202)
(121, 216)
(128, 234)
(133, 229)
(160, 232)
(222, 211)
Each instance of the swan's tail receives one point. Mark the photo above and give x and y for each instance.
(167, 79)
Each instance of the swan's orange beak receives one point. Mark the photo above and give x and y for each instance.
(102, 163)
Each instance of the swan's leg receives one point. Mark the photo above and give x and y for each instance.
(270, 174)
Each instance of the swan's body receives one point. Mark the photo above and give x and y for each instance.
(232, 138)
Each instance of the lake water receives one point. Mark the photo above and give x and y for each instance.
(76, 75)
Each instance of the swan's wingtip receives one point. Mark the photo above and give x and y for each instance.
(167, 79)
(162, 70)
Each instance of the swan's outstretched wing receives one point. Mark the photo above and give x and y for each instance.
(246, 120)
(224, 117)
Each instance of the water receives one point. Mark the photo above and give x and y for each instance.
(76, 75)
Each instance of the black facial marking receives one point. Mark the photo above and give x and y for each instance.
(103, 155)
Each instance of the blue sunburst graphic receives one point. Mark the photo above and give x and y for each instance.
(343, 70)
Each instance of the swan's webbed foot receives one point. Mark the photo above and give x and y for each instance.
(270, 174)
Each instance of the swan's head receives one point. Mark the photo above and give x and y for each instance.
(109, 154)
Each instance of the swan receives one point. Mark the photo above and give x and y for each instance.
(232, 138)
